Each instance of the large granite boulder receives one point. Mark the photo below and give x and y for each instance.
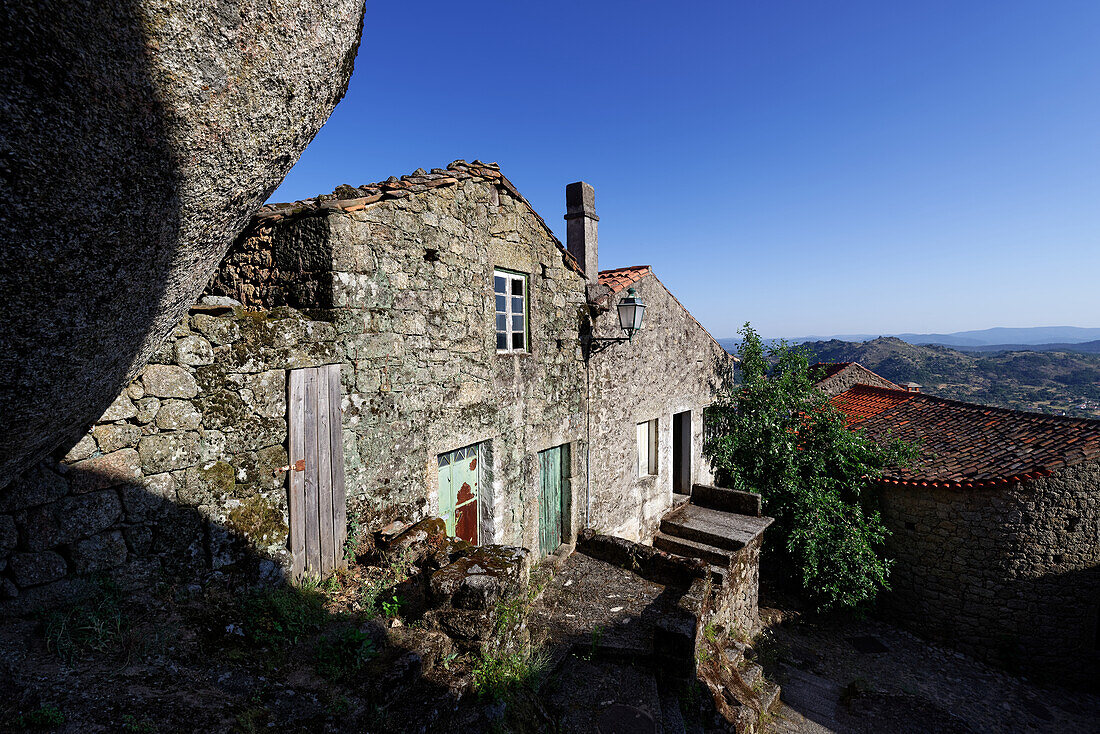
(136, 139)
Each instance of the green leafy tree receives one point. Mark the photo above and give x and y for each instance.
(776, 434)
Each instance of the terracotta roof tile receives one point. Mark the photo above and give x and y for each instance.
(864, 401)
(620, 278)
(353, 198)
(969, 445)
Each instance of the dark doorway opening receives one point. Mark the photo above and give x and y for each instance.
(681, 453)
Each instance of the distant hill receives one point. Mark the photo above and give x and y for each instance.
(1092, 347)
(998, 335)
(1051, 381)
(1045, 381)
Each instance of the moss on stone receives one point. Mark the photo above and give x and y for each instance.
(218, 477)
(258, 520)
(222, 409)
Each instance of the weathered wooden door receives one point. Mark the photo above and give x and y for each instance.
(459, 472)
(318, 510)
(553, 496)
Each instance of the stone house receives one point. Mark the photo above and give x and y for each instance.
(995, 530)
(836, 377)
(419, 347)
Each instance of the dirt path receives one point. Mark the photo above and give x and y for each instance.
(871, 677)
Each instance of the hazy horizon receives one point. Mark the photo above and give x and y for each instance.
(866, 335)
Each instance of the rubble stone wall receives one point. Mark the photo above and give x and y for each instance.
(672, 365)
(407, 284)
(737, 602)
(183, 472)
(1009, 575)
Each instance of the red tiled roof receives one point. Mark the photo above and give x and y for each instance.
(864, 401)
(964, 445)
(354, 198)
(620, 278)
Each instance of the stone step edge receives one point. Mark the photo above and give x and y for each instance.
(692, 548)
(672, 526)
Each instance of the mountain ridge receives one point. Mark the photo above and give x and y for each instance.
(994, 336)
(1056, 382)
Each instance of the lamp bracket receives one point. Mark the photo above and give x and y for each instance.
(596, 344)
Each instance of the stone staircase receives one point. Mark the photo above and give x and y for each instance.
(698, 526)
(724, 529)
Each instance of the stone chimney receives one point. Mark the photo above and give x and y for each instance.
(581, 220)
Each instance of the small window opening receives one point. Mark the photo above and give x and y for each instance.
(431, 255)
(910, 526)
(510, 296)
(1057, 558)
(647, 448)
(1073, 522)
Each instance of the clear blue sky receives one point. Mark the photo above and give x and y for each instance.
(812, 167)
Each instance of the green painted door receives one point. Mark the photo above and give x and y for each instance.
(553, 496)
(458, 492)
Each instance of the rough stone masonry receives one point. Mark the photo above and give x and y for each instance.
(137, 140)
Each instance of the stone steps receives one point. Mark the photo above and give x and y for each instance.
(712, 527)
(672, 719)
(692, 549)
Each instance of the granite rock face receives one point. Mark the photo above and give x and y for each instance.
(138, 137)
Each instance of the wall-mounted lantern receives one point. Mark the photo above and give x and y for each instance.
(631, 312)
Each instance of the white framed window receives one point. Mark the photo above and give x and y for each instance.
(647, 448)
(510, 297)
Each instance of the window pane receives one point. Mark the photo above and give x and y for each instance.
(499, 284)
(517, 340)
(517, 323)
(502, 303)
(643, 448)
(517, 304)
(517, 286)
(502, 322)
(502, 340)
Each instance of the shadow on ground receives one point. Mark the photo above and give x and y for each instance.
(169, 621)
(864, 675)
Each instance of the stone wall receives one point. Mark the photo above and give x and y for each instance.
(407, 283)
(672, 365)
(1010, 575)
(397, 287)
(853, 374)
(182, 473)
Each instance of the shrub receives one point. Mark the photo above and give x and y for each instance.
(498, 674)
(343, 653)
(44, 717)
(276, 617)
(93, 625)
(776, 434)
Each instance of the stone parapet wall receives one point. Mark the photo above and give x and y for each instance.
(183, 472)
(737, 601)
(1008, 575)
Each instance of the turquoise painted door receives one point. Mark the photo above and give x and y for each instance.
(553, 496)
(458, 492)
